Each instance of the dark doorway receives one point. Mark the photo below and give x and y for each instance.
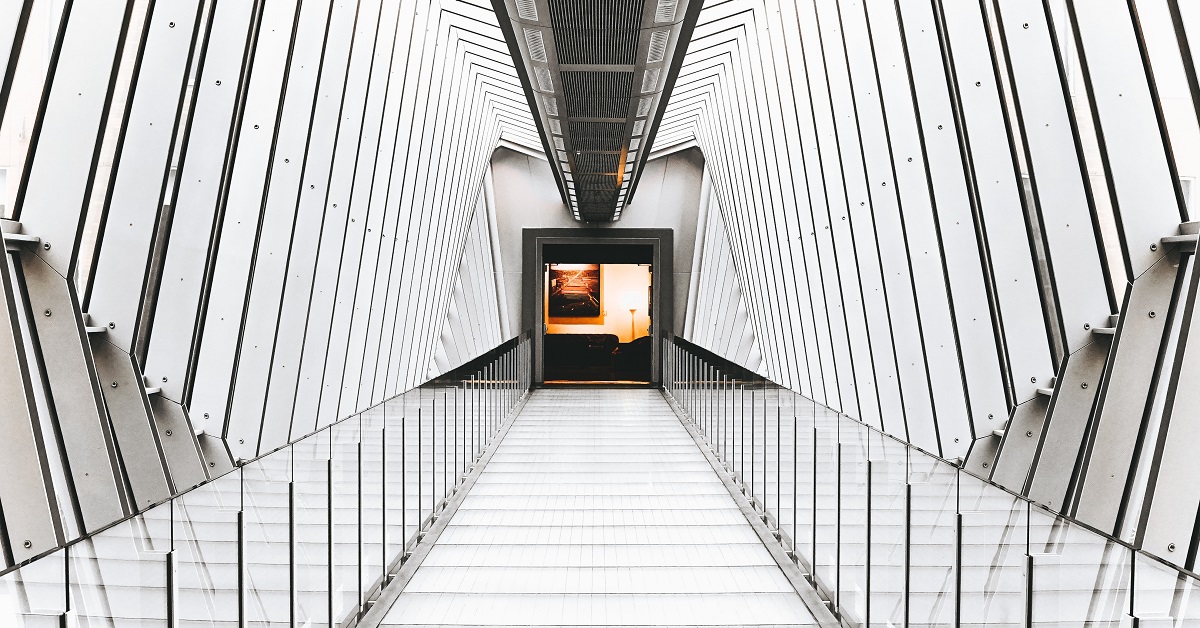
(597, 301)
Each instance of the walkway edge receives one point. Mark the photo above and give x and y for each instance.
(387, 598)
(825, 618)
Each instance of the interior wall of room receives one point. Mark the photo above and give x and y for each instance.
(615, 281)
(524, 196)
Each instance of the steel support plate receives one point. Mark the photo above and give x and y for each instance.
(1059, 446)
(1124, 396)
(179, 444)
(31, 521)
(76, 402)
(129, 410)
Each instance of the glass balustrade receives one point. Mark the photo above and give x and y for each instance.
(305, 533)
(890, 535)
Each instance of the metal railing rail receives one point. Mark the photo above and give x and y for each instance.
(889, 534)
(307, 534)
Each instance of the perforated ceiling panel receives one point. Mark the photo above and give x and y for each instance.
(596, 72)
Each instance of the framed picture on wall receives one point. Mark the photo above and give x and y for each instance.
(574, 291)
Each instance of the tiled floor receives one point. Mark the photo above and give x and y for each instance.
(598, 509)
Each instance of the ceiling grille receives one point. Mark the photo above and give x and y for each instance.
(595, 72)
(597, 162)
(596, 31)
(650, 80)
(590, 183)
(591, 136)
(527, 9)
(537, 47)
(597, 94)
(665, 11)
(545, 82)
(658, 46)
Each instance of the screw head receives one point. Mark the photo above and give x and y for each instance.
(28, 544)
(241, 441)
(47, 312)
(1171, 547)
(1084, 385)
(1032, 380)
(1154, 246)
(1025, 25)
(206, 415)
(46, 246)
(164, 380)
(985, 465)
(1087, 326)
(169, 432)
(114, 384)
(1029, 433)
(1153, 314)
(212, 464)
(112, 325)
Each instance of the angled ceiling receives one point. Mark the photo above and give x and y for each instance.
(597, 74)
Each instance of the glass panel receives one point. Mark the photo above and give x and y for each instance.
(1164, 595)
(398, 524)
(347, 585)
(1078, 575)
(35, 596)
(828, 479)
(787, 507)
(119, 576)
(852, 577)
(267, 528)
(206, 552)
(933, 537)
(888, 504)
(804, 530)
(994, 533)
(373, 558)
(310, 472)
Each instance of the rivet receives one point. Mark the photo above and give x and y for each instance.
(164, 380)
(169, 432)
(1154, 246)
(985, 465)
(46, 246)
(241, 441)
(114, 384)
(1153, 314)
(112, 325)
(218, 82)
(28, 544)
(206, 415)
(1025, 25)
(212, 464)
(1087, 326)
(47, 312)
(978, 83)
(1084, 385)
(1029, 433)
(1032, 380)
(256, 126)
(956, 440)
(1171, 547)
(991, 416)
(171, 25)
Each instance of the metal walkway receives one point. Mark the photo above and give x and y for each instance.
(598, 508)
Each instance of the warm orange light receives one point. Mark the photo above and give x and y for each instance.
(621, 165)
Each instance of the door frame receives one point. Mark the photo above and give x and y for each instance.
(533, 288)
